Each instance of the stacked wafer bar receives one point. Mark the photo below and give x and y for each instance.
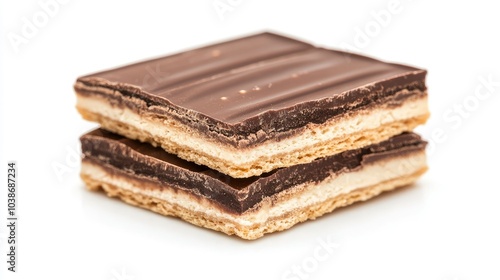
(253, 135)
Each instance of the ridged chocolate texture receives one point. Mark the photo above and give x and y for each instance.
(264, 82)
(145, 162)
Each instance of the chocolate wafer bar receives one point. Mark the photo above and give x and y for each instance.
(149, 177)
(249, 106)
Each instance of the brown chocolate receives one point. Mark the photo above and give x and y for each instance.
(145, 162)
(254, 88)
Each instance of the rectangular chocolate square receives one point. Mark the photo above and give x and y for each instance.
(248, 106)
(151, 178)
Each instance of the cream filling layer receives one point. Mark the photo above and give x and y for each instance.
(287, 201)
(183, 136)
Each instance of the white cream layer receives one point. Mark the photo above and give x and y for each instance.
(369, 175)
(183, 136)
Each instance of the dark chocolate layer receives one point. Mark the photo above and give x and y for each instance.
(262, 83)
(145, 162)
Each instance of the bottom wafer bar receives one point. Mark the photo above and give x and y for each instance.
(149, 177)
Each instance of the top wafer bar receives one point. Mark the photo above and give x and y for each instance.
(251, 105)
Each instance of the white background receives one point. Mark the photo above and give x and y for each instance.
(446, 227)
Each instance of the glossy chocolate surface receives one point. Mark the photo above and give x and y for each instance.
(263, 83)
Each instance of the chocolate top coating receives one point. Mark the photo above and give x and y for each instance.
(258, 82)
(143, 161)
